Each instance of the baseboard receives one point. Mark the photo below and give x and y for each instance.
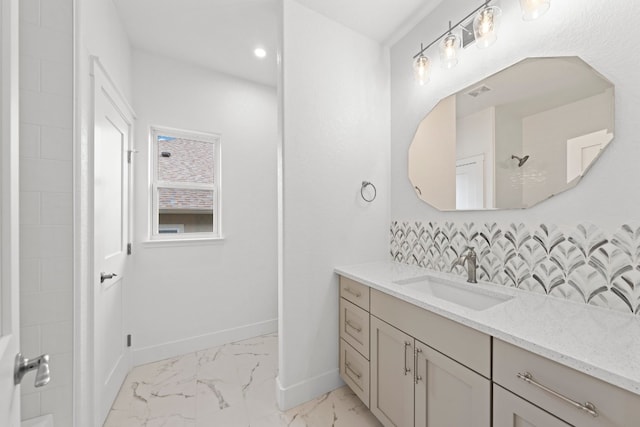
(307, 390)
(163, 351)
(42, 421)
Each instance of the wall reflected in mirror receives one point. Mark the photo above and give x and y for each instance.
(514, 139)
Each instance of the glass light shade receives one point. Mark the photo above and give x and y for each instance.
(534, 9)
(449, 48)
(485, 26)
(422, 69)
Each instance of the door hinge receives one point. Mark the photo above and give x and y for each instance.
(129, 249)
(130, 155)
(129, 340)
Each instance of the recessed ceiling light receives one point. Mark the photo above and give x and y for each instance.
(260, 52)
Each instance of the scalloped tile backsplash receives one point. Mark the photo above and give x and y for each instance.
(581, 263)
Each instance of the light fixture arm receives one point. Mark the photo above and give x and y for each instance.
(451, 28)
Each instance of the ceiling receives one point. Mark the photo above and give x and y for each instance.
(216, 34)
(222, 34)
(376, 19)
(534, 85)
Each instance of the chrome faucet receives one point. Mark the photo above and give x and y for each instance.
(472, 264)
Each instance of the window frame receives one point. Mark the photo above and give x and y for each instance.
(155, 184)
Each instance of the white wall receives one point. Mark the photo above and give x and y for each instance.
(46, 234)
(583, 28)
(336, 134)
(545, 135)
(475, 134)
(103, 35)
(508, 176)
(189, 296)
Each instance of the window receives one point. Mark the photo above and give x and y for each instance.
(186, 184)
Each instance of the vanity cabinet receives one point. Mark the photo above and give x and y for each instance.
(354, 292)
(414, 384)
(354, 337)
(510, 410)
(576, 398)
(412, 367)
(447, 393)
(391, 398)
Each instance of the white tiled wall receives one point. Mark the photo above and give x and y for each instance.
(46, 282)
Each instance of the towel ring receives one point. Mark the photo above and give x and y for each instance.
(366, 184)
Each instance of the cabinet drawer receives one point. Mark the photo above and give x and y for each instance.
(354, 326)
(354, 370)
(511, 411)
(355, 292)
(615, 406)
(461, 343)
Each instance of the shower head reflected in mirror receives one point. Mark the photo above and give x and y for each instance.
(521, 160)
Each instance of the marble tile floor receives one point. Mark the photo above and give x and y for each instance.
(228, 386)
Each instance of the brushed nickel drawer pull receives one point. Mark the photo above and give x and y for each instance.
(352, 292)
(587, 407)
(416, 376)
(348, 366)
(406, 370)
(357, 328)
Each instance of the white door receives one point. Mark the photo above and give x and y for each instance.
(9, 292)
(583, 150)
(112, 132)
(470, 182)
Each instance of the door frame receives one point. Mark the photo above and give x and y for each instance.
(10, 192)
(477, 159)
(84, 64)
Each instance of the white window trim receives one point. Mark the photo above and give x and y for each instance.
(154, 184)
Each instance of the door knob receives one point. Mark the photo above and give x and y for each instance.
(106, 276)
(24, 365)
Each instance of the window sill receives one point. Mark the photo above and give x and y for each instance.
(163, 243)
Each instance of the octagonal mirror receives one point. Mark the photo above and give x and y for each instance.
(514, 139)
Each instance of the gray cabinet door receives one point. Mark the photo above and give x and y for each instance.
(391, 390)
(510, 410)
(448, 393)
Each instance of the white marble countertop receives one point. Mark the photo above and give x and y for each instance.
(602, 343)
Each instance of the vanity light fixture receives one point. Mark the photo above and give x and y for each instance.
(485, 25)
(449, 49)
(422, 69)
(260, 52)
(486, 19)
(534, 9)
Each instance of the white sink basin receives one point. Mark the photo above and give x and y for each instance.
(465, 295)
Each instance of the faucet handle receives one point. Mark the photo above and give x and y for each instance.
(473, 256)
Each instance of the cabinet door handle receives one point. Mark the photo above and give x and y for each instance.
(352, 326)
(348, 366)
(416, 376)
(588, 407)
(406, 370)
(352, 292)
